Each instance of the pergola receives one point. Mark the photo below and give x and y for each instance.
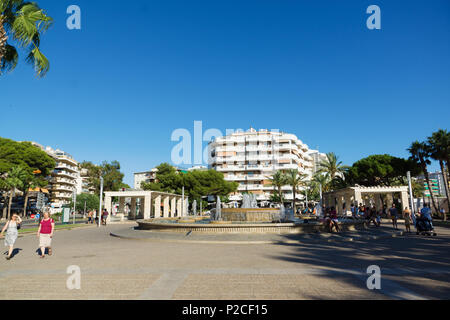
(366, 196)
(153, 204)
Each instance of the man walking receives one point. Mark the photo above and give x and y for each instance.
(394, 215)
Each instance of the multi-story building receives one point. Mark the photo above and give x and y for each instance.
(83, 182)
(436, 182)
(150, 176)
(317, 158)
(63, 181)
(252, 157)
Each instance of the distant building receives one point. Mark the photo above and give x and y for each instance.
(436, 182)
(63, 180)
(250, 158)
(83, 182)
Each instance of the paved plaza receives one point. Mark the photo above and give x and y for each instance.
(309, 267)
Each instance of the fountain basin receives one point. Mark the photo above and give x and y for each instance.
(159, 224)
(250, 214)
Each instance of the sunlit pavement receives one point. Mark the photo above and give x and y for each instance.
(412, 267)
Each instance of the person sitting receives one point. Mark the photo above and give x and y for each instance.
(425, 213)
(332, 220)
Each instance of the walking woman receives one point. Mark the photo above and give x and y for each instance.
(11, 234)
(408, 218)
(45, 234)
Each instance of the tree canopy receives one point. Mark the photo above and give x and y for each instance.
(112, 177)
(380, 169)
(197, 183)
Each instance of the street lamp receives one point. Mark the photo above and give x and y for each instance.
(101, 204)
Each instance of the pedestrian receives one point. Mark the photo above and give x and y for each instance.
(394, 213)
(407, 217)
(90, 217)
(11, 227)
(45, 234)
(104, 216)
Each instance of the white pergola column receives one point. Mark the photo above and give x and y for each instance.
(173, 206)
(339, 205)
(179, 207)
(121, 205)
(389, 200)
(108, 206)
(405, 200)
(378, 202)
(166, 207)
(348, 203)
(132, 214)
(158, 206)
(358, 197)
(147, 206)
(185, 207)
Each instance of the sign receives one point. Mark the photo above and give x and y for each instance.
(66, 215)
(40, 201)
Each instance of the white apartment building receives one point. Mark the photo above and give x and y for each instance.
(63, 181)
(83, 183)
(150, 176)
(252, 157)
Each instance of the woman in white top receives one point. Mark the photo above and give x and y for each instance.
(11, 233)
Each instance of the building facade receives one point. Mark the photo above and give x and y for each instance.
(436, 182)
(252, 157)
(63, 180)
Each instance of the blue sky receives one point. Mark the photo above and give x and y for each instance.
(136, 71)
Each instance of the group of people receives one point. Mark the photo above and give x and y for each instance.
(92, 216)
(44, 233)
(372, 215)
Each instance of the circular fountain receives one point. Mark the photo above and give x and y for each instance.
(247, 219)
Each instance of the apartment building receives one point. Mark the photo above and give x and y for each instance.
(436, 182)
(63, 180)
(251, 157)
(150, 176)
(83, 182)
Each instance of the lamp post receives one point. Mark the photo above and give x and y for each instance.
(411, 197)
(74, 204)
(101, 203)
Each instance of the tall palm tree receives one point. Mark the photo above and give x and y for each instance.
(24, 22)
(322, 179)
(294, 179)
(14, 180)
(420, 154)
(439, 144)
(278, 180)
(332, 167)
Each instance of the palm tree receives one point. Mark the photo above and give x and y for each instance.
(420, 154)
(278, 180)
(332, 167)
(294, 179)
(439, 144)
(322, 179)
(24, 22)
(14, 180)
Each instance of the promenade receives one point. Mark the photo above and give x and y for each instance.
(320, 267)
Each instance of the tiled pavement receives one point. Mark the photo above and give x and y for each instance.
(113, 268)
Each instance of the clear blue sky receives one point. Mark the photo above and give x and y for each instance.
(137, 70)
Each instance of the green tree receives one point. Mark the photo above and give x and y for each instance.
(295, 180)
(420, 154)
(36, 164)
(380, 170)
(24, 23)
(278, 180)
(14, 180)
(439, 147)
(110, 171)
(332, 167)
(92, 202)
(197, 183)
